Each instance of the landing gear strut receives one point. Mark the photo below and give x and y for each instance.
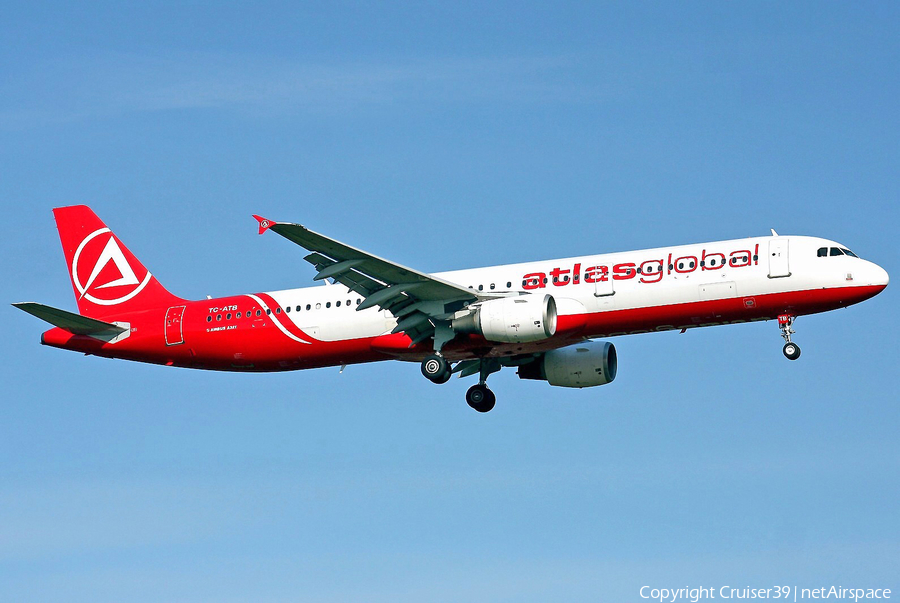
(479, 397)
(791, 350)
(436, 368)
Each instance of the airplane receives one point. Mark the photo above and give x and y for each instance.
(548, 319)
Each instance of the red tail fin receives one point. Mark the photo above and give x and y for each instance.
(106, 276)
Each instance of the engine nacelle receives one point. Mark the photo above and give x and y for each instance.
(581, 365)
(511, 319)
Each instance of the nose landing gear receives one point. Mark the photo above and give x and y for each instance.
(791, 350)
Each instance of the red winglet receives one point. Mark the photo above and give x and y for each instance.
(264, 224)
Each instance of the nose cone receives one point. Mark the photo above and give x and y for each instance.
(878, 276)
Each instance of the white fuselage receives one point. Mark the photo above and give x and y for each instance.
(744, 269)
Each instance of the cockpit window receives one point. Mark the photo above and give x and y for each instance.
(835, 251)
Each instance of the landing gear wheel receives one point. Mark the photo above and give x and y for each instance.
(791, 351)
(436, 369)
(480, 398)
(443, 378)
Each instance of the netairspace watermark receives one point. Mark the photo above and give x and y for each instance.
(790, 593)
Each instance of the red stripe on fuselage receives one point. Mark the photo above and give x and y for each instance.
(283, 318)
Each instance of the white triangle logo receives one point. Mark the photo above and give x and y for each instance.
(112, 253)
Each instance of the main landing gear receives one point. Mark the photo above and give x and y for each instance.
(791, 350)
(437, 370)
(481, 398)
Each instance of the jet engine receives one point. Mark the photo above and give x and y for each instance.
(511, 319)
(581, 365)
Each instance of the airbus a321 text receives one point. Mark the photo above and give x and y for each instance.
(544, 318)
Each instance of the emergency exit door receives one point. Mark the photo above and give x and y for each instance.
(779, 265)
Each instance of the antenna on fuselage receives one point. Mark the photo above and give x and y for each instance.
(774, 234)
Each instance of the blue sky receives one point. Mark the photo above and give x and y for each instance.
(447, 136)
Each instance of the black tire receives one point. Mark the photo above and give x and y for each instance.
(480, 398)
(436, 369)
(791, 351)
(443, 379)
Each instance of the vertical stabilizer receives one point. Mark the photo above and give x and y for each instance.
(107, 278)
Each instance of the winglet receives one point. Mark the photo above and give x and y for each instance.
(264, 224)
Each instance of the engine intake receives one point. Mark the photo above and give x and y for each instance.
(511, 319)
(585, 364)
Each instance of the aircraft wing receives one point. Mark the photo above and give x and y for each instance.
(417, 299)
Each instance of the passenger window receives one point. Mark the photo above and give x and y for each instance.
(277, 310)
(228, 316)
(218, 317)
(319, 306)
(287, 308)
(492, 286)
(209, 319)
(823, 252)
(481, 287)
(268, 311)
(348, 302)
(509, 285)
(836, 251)
(338, 303)
(328, 304)
(308, 307)
(258, 312)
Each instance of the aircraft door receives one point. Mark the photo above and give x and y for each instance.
(174, 330)
(778, 258)
(604, 288)
(604, 295)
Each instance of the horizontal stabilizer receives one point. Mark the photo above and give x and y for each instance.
(71, 322)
